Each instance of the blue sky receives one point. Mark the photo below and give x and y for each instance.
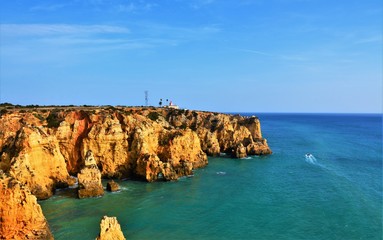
(218, 55)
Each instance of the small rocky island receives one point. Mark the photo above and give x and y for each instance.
(46, 148)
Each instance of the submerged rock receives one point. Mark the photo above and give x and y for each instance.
(112, 186)
(89, 179)
(110, 229)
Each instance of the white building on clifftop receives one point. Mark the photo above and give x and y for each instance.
(171, 105)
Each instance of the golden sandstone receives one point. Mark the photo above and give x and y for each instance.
(43, 149)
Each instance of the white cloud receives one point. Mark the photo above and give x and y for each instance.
(57, 29)
(135, 7)
(45, 43)
(126, 8)
(372, 39)
(197, 4)
(278, 56)
(48, 8)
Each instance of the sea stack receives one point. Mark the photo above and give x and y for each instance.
(89, 179)
(110, 229)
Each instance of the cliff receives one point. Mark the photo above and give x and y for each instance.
(20, 214)
(43, 147)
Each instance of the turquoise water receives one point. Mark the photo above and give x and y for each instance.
(336, 194)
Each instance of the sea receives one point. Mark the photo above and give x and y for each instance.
(323, 181)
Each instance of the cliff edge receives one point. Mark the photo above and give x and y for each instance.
(43, 147)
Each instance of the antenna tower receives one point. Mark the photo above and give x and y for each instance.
(146, 97)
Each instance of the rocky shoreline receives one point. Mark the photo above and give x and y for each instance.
(43, 149)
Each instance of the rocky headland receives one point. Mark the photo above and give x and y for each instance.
(45, 148)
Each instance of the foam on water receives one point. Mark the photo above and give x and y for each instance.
(75, 185)
(327, 168)
(311, 159)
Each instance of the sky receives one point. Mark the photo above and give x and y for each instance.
(215, 55)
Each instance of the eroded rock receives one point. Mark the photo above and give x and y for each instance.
(21, 216)
(89, 179)
(41, 148)
(110, 229)
(112, 186)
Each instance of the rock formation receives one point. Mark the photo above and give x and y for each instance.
(112, 186)
(42, 147)
(110, 229)
(33, 157)
(89, 179)
(20, 214)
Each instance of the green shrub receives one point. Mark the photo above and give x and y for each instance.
(3, 112)
(153, 116)
(53, 120)
(41, 118)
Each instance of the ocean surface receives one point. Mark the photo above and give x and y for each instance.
(334, 193)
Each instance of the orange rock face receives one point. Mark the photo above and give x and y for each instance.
(110, 229)
(43, 147)
(89, 179)
(20, 214)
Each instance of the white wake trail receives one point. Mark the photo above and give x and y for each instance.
(311, 159)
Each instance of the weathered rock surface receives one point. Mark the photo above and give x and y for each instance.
(110, 229)
(112, 186)
(33, 157)
(42, 147)
(89, 179)
(20, 214)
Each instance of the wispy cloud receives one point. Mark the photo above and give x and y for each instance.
(48, 7)
(121, 6)
(179, 33)
(278, 56)
(57, 29)
(41, 42)
(255, 52)
(134, 7)
(372, 39)
(143, 29)
(197, 4)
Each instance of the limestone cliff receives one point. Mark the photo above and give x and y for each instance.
(110, 229)
(20, 214)
(42, 147)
